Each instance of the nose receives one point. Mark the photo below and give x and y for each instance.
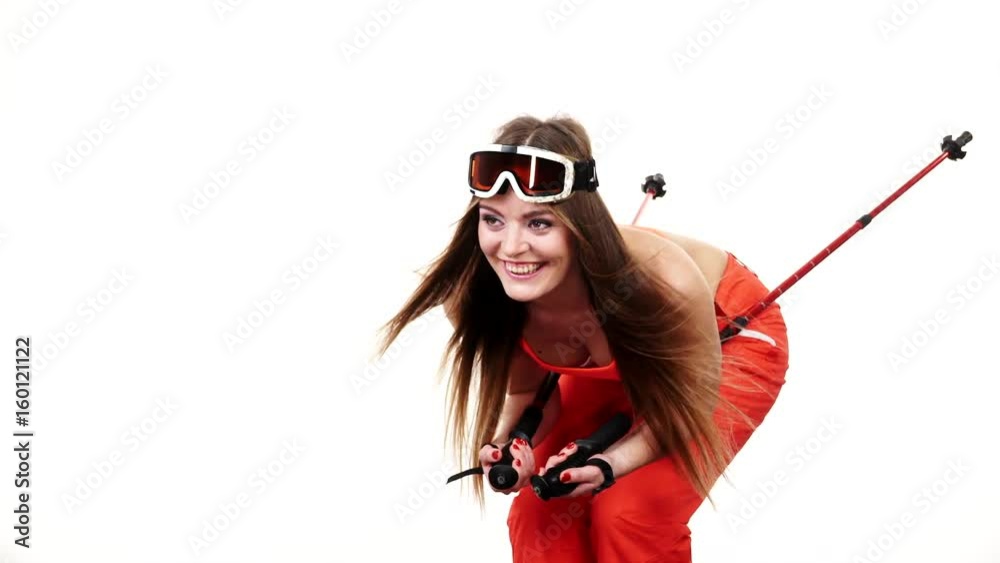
(513, 242)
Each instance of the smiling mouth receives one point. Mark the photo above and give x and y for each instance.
(523, 269)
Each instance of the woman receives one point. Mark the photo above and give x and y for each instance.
(539, 278)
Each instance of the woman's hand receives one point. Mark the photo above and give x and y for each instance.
(524, 463)
(588, 476)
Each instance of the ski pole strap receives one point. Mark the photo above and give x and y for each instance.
(466, 473)
(605, 467)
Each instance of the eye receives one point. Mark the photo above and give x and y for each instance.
(541, 222)
(489, 220)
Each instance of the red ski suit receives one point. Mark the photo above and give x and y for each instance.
(644, 516)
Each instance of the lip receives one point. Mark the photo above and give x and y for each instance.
(512, 275)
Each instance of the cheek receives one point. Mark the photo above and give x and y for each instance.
(559, 251)
(487, 242)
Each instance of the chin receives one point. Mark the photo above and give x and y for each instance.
(524, 292)
(519, 294)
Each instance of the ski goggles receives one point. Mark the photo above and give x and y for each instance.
(537, 175)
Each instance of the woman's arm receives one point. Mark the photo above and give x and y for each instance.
(639, 446)
(525, 379)
(636, 449)
(513, 408)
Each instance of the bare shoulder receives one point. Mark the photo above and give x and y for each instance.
(681, 257)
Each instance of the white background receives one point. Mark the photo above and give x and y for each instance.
(365, 483)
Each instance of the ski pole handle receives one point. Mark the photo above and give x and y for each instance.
(548, 486)
(502, 475)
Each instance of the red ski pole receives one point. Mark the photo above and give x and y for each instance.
(952, 149)
(653, 188)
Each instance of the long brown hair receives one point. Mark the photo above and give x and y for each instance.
(665, 380)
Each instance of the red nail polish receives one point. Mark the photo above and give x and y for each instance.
(564, 477)
(496, 456)
(517, 463)
(513, 447)
(521, 442)
(571, 446)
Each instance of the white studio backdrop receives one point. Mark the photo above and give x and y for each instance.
(209, 208)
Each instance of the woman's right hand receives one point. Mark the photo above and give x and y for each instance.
(524, 463)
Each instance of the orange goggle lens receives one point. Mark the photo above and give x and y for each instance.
(486, 167)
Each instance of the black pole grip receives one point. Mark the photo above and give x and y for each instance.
(655, 184)
(528, 424)
(954, 147)
(502, 474)
(548, 486)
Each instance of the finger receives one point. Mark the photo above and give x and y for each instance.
(529, 457)
(555, 460)
(581, 490)
(569, 449)
(587, 478)
(524, 462)
(489, 455)
(521, 450)
(561, 456)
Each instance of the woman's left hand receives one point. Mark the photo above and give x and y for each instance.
(588, 476)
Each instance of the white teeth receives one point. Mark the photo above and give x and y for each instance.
(522, 269)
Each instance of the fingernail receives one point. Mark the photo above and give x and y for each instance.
(496, 456)
(520, 442)
(517, 463)
(571, 446)
(564, 477)
(513, 447)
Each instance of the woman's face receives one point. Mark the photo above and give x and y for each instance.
(529, 248)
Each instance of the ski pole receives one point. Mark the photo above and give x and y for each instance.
(952, 149)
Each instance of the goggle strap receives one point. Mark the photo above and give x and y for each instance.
(585, 175)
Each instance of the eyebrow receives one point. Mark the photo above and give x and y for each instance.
(527, 215)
